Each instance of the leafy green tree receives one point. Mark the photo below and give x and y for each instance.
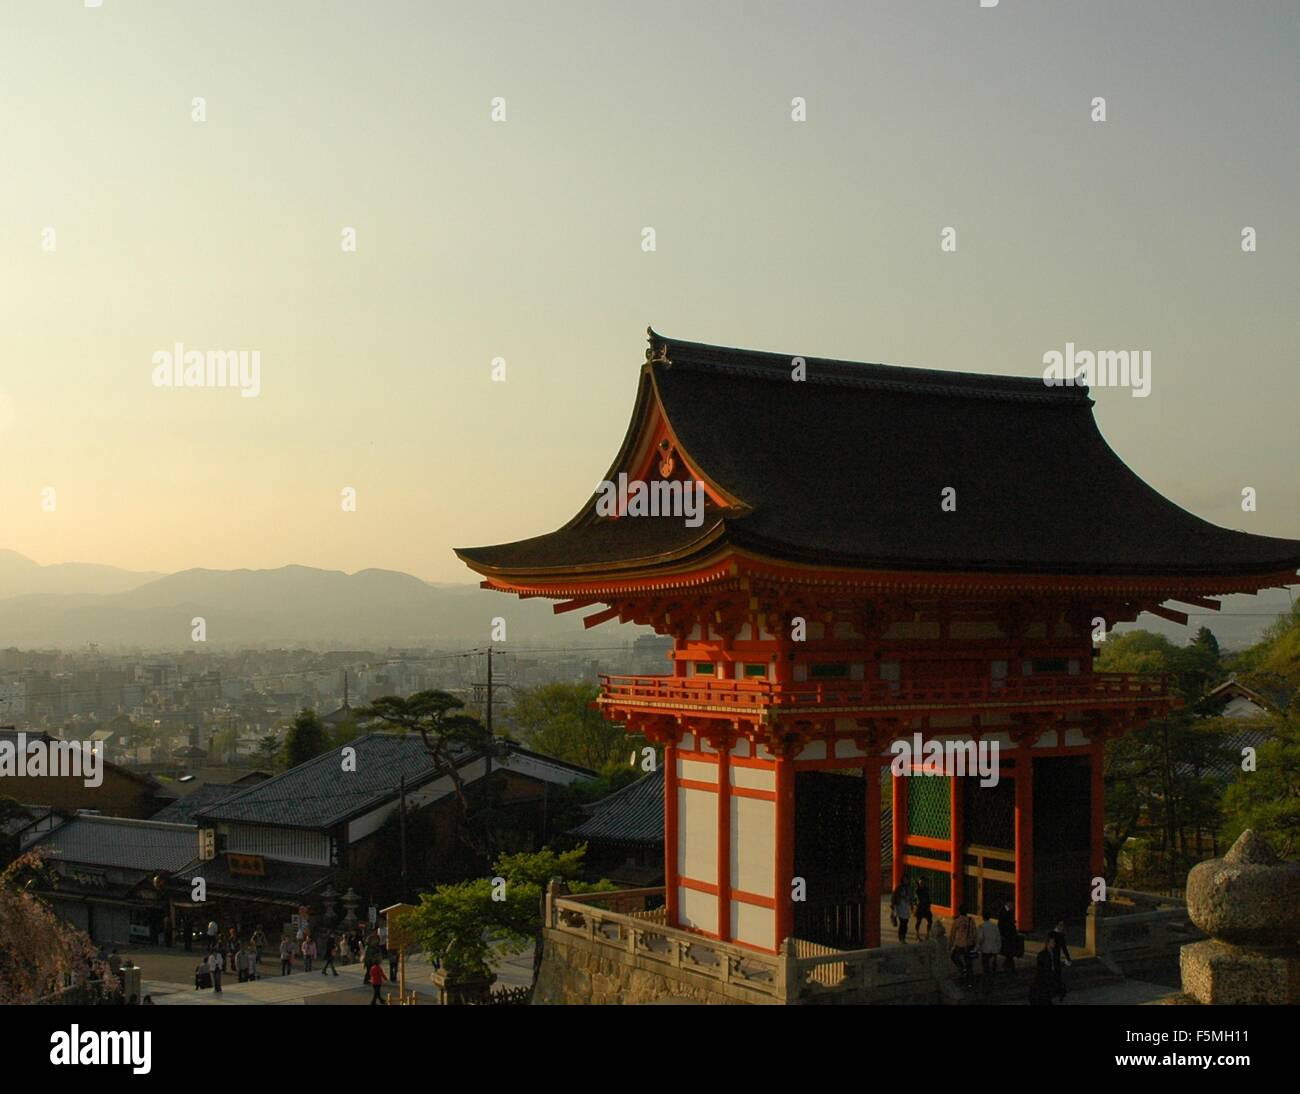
(1272, 665)
(345, 733)
(465, 925)
(1157, 777)
(1268, 798)
(306, 739)
(1205, 640)
(225, 744)
(268, 748)
(448, 734)
(559, 720)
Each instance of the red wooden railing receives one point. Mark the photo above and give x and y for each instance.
(1041, 687)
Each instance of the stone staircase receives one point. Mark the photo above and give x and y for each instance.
(1009, 989)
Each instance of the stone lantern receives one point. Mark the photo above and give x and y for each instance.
(350, 902)
(1248, 902)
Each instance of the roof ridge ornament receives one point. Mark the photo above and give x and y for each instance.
(657, 351)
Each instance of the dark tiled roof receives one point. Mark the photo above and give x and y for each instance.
(116, 841)
(320, 794)
(633, 815)
(183, 809)
(848, 468)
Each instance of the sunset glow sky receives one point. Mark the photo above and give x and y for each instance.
(522, 240)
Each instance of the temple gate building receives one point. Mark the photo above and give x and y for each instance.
(885, 554)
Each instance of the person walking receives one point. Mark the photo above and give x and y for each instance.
(286, 955)
(212, 935)
(331, 948)
(989, 944)
(1043, 986)
(259, 943)
(233, 948)
(308, 952)
(1010, 936)
(376, 977)
(250, 960)
(961, 941)
(1060, 958)
(921, 906)
(216, 965)
(900, 909)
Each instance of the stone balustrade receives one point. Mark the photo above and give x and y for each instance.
(630, 955)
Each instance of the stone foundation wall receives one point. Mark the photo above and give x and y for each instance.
(577, 972)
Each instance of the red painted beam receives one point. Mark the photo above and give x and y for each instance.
(784, 848)
(599, 617)
(1097, 843)
(1168, 613)
(1024, 840)
(724, 846)
(871, 914)
(670, 835)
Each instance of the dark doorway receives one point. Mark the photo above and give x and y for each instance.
(830, 856)
(989, 822)
(1062, 823)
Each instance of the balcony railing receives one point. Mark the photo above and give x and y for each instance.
(755, 695)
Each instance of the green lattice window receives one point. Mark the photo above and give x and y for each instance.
(928, 806)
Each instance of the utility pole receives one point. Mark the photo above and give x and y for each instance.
(489, 691)
(402, 813)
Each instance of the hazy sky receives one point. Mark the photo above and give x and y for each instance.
(479, 239)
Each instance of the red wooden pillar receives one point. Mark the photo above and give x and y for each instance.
(1097, 846)
(898, 786)
(957, 827)
(1024, 839)
(871, 912)
(784, 847)
(724, 841)
(670, 834)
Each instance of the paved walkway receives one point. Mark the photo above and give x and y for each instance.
(313, 989)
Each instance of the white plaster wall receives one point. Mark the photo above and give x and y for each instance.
(753, 845)
(697, 825)
(754, 925)
(753, 778)
(697, 770)
(698, 910)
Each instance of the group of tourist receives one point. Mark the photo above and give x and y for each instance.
(368, 946)
(226, 952)
(988, 940)
(993, 939)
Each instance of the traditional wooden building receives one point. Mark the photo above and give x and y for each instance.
(885, 554)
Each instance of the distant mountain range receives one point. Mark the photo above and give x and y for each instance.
(20, 576)
(71, 604)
